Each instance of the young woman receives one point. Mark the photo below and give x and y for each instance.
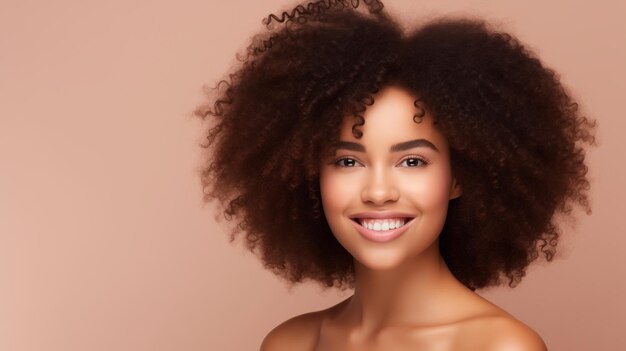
(413, 168)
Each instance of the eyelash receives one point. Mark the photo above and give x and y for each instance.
(420, 159)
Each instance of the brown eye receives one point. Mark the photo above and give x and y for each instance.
(346, 162)
(414, 162)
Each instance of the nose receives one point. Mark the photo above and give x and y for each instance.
(379, 189)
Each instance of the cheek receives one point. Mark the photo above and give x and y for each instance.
(432, 191)
(334, 190)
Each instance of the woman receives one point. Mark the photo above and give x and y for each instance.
(414, 168)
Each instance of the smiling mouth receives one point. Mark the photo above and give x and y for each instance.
(382, 225)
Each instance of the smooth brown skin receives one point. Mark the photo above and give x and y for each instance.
(405, 297)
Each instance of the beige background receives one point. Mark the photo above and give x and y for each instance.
(104, 242)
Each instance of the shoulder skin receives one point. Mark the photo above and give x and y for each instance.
(508, 334)
(298, 333)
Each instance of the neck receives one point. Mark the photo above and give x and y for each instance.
(416, 292)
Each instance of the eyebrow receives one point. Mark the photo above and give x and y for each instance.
(348, 145)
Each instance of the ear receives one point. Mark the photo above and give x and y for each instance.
(455, 189)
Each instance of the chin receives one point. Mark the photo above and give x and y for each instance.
(380, 259)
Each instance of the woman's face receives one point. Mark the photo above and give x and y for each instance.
(398, 172)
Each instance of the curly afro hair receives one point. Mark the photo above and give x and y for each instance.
(516, 137)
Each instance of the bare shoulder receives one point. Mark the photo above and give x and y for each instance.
(513, 335)
(502, 333)
(295, 334)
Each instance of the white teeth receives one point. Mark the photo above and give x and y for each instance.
(382, 224)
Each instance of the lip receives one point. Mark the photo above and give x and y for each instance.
(380, 215)
(381, 236)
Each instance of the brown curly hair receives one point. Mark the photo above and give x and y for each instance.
(516, 137)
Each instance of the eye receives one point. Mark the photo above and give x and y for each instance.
(413, 161)
(346, 162)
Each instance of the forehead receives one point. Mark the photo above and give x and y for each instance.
(390, 120)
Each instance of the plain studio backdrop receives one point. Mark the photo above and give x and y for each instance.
(104, 240)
